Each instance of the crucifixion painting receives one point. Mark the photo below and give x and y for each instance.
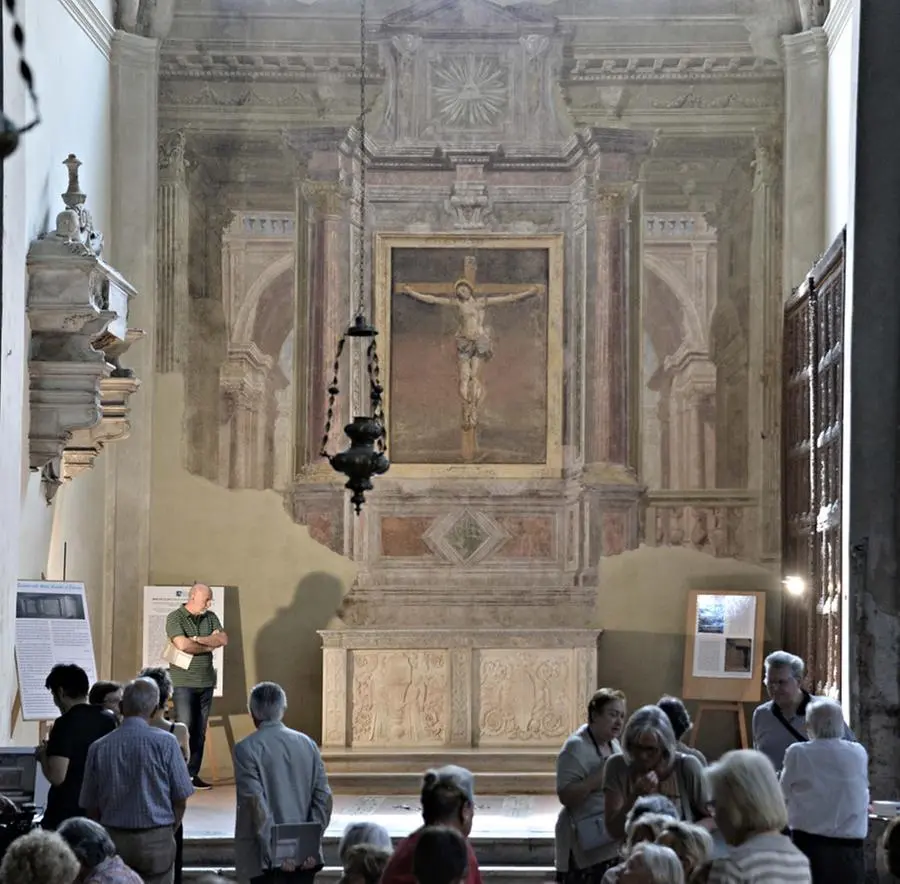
(473, 302)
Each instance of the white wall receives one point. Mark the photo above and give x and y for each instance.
(67, 47)
(841, 29)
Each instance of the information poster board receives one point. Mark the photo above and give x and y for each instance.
(159, 602)
(52, 626)
(724, 654)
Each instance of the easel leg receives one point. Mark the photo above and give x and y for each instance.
(742, 726)
(211, 749)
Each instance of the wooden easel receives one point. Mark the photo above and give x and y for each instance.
(736, 708)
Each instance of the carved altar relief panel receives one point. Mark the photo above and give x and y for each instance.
(400, 698)
(526, 696)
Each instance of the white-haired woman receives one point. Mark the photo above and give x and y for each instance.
(583, 849)
(826, 787)
(781, 721)
(652, 864)
(40, 857)
(751, 815)
(645, 822)
(650, 763)
(693, 845)
(94, 849)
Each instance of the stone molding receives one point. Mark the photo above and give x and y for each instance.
(92, 22)
(807, 47)
(839, 14)
(366, 639)
(85, 445)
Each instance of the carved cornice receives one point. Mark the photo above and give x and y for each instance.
(85, 445)
(92, 22)
(359, 639)
(840, 13)
(591, 67)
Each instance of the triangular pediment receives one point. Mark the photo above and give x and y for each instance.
(468, 16)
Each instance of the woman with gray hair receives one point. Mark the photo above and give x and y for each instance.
(652, 864)
(825, 782)
(650, 764)
(751, 815)
(364, 833)
(40, 857)
(95, 851)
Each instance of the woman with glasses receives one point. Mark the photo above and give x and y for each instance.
(650, 764)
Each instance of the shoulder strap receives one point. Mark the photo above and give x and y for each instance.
(687, 812)
(779, 716)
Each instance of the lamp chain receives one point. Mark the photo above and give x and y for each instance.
(361, 241)
(18, 35)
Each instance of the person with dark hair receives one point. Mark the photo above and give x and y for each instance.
(107, 695)
(677, 713)
(62, 757)
(448, 799)
(441, 856)
(583, 852)
(94, 849)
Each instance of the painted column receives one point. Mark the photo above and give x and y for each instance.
(607, 399)
(172, 320)
(132, 250)
(764, 412)
(806, 107)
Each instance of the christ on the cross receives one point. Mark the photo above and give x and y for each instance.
(474, 344)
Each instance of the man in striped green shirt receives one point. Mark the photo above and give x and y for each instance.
(197, 631)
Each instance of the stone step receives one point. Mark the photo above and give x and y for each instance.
(416, 761)
(386, 782)
(332, 874)
(515, 852)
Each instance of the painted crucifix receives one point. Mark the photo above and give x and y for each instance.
(474, 343)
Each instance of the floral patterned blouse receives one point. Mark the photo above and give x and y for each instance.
(113, 871)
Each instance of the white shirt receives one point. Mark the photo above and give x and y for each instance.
(826, 787)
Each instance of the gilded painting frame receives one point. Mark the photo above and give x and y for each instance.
(552, 466)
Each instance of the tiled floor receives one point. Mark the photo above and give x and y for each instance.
(211, 815)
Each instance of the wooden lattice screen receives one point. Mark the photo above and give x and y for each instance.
(813, 443)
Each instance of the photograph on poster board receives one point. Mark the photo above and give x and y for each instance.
(724, 636)
(159, 602)
(52, 626)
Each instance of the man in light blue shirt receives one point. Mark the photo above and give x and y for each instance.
(136, 785)
(280, 780)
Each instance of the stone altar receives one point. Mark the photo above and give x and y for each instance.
(466, 625)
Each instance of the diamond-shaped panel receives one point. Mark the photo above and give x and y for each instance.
(466, 536)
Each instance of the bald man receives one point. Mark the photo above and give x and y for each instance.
(195, 630)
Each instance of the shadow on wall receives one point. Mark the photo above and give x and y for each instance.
(288, 646)
(235, 688)
(642, 608)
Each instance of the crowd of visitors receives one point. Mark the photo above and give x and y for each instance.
(639, 806)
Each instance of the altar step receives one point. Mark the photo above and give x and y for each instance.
(332, 874)
(526, 851)
(399, 772)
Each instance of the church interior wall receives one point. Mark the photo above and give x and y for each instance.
(220, 511)
(70, 62)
